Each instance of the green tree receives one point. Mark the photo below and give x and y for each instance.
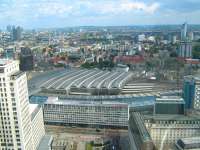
(196, 51)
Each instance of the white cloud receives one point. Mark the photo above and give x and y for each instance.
(78, 7)
(53, 8)
(24, 11)
(141, 6)
(123, 6)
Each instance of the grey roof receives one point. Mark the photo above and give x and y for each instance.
(83, 78)
(17, 74)
(191, 140)
(170, 99)
(169, 117)
(130, 100)
(85, 103)
(189, 143)
(139, 121)
(45, 142)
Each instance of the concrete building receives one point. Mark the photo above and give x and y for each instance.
(169, 105)
(16, 128)
(16, 118)
(191, 36)
(139, 138)
(174, 39)
(91, 82)
(86, 113)
(165, 130)
(46, 143)
(135, 102)
(190, 143)
(188, 91)
(38, 130)
(184, 31)
(141, 37)
(16, 33)
(26, 59)
(196, 103)
(185, 50)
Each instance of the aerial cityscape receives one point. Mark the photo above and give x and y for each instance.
(104, 75)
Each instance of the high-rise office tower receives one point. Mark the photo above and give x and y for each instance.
(188, 91)
(169, 105)
(16, 33)
(26, 59)
(184, 31)
(174, 39)
(185, 50)
(9, 28)
(196, 103)
(191, 36)
(15, 117)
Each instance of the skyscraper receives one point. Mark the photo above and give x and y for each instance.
(185, 49)
(9, 28)
(16, 33)
(184, 31)
(26, 59)
(15, 121)
(196, 103)
(188, 91)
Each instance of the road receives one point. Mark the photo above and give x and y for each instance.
(88, 131)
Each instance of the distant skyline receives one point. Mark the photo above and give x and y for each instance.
(63, 13)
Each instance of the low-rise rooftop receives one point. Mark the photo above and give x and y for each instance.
(170, 99)
(55, 100)
(4, 62)
(169, 117)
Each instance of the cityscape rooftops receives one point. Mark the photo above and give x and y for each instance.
(190, 143)
(46, 142)
(17, 74)
(172, 117)
(130, 100)
(140, 125)
(4, 62)
(170, 99)
(191, 140)
(55, 100)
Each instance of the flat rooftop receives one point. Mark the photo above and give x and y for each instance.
(191, 140)
(4, 62)
(55, 100)
(139, 121)
(170, 99)
(45, 143)
(168, 117)
(122, 99)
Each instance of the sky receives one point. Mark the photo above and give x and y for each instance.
(65, 13)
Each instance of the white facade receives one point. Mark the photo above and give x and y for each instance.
(185, 50)
(165, 133)
(37, 124)
(196, 103)
(86, 113)
(184, 31)
(174, 40)
(141, 38)
(15, 120)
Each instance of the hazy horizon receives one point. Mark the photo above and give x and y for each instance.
(68, 13)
